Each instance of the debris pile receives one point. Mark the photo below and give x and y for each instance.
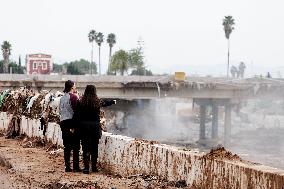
(221, 153)
(14, 102)
(34, 108)
(42, 105)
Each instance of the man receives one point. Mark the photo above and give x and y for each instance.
(234, 71)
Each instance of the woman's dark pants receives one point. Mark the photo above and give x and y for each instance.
(90, 135)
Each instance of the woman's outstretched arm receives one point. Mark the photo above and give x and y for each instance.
(105, 103)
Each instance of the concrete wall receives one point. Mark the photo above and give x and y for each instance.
(127, 156)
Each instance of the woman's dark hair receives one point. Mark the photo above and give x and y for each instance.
(68, 86)
(90, 98)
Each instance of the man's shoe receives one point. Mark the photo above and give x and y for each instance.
(86, 171)
(77, 170)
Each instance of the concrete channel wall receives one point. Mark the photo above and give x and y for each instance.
(126, 156)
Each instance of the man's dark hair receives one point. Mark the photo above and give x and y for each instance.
(68, 86)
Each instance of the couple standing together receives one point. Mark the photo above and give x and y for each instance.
(80, 121)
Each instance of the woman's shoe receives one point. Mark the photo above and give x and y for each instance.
(95, 169)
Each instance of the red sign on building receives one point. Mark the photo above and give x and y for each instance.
(39, 64)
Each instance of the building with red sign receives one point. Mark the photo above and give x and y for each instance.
(39, 63)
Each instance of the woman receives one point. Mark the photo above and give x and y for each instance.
(71, 140)
(88, 116)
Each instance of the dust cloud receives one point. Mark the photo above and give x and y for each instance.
(164, 120)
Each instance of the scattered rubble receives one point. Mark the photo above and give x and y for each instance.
(32, 142)
(146, 141)
(56, 152)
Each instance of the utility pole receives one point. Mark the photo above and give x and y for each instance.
(92, 54)
(228, 58)
(251, 69)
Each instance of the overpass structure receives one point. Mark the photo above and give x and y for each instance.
(205, 91)
(150, 87)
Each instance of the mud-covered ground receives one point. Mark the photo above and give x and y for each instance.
(23, 166)
(8, 180)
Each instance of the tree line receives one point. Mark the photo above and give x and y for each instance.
(77, 67)
(121, 63)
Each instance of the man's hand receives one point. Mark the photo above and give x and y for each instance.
(72, 130)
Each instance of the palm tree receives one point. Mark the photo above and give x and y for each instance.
(111, 40)
(99, 40)
(6, 50)
(228, 23)
(119, 62)
(92, 37)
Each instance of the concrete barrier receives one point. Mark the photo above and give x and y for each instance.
(127, 156)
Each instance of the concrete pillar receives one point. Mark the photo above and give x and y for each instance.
(228, 109)
(202, 122)
(214, 121)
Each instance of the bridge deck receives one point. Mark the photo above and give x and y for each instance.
(148, 87)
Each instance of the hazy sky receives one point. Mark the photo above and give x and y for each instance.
(179, 35)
